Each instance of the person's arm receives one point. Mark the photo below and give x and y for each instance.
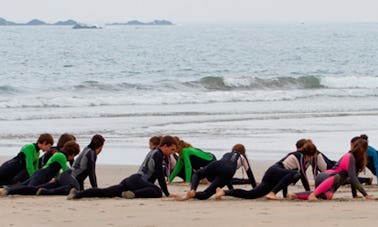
(158, 159)
(353, 176)
(187, 164)
(29, 151)
(91, 165)
(176, 170)
(302, 168)
(248, 170)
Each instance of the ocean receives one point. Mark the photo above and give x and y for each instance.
(264, 85)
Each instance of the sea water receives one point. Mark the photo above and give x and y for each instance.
(263, 85)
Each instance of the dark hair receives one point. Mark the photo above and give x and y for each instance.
(96, 142)
(300, 143)
(155, 140)
(239, 148)
(364, 136)
(308, 148)
(354, 139)
(46, 138)
(70, 148)
(168, 140)
(64, 138)
(359, 152)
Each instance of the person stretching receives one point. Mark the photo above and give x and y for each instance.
(85, 164)
(347, 167)
(288, 170)
(220, 173)
(190, 158)
(140, 184)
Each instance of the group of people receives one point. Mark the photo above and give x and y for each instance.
(170, 157)
(56, 172)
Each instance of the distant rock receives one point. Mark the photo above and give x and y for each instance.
(5, 22)
(67, 22)
(136, 22)
(85, 26)
(36, 22)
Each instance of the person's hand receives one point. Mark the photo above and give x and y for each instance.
(369, 197)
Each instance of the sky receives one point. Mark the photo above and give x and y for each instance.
(191, 11)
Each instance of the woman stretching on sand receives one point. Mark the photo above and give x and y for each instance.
(140, 184)
(220, 173)
(347, 167)
(278, 176)
(191, 159)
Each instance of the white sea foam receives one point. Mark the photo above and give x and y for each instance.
(261, 85)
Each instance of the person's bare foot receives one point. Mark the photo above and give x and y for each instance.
(312, 197)
(204, 181)
(291, 196)
(272, 196)
(189, 195)
(3, 191)
(219, 193)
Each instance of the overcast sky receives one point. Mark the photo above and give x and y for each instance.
(190, 11)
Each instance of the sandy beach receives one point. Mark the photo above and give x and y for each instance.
(57, 211)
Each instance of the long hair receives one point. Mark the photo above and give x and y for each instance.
(181, 144)
(359, 152)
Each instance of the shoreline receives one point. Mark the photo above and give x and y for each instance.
(57, 211)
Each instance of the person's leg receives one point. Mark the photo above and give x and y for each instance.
(209, 191)
(288, 177)
(60, 190)
(22, 176)
(8, 170)
(148, 191)
(112, 191)
(327, 187)
(21, 190)
(136, 187)
(259, 191)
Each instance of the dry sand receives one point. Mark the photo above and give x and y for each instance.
(57, 211)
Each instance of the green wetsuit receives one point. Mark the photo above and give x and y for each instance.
(184, 160)
(60, 158)
(31, 153)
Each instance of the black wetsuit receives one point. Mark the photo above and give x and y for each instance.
(220, 173)
(15, 170)
(85, 166)
(61, 186)
(277, 177)
(41, 176)
(140, 183)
